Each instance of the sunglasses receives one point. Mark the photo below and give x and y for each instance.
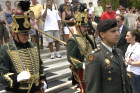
(108, 7)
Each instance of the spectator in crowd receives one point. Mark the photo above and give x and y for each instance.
(123, 12)
(122, 44)
(3, 32)
(131, 10)
(109, 14)
(51, 27)
(75, 4)
(7, 15)
(68, 18)
(17, 9)
(132, 58)
(61, 8)
(98, 10)
(37, 9)
(90, 11)
(33, 23)
(54, 6)
(137, 24)
(127, 10)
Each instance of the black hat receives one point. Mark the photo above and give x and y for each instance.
(106, 25)
(21, 23)
(81, 17)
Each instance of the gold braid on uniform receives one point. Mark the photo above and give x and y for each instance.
(7, 76)
(75, 61)
(30, 60)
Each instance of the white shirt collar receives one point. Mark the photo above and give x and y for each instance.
(108, 47)
(120, 29)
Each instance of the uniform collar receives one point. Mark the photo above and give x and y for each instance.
(108, 47)
(78, 33)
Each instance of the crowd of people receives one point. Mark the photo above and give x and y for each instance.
(108, 68)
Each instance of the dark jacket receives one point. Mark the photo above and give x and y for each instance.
(104, 73)
(122, 43)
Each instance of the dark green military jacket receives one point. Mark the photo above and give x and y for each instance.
(74, 53)
(105, 74)
(8, 71)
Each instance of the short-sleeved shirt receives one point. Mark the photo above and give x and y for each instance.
(98, 10)
(51, 20)
(107, 15)
(133, 52)
(37, 9)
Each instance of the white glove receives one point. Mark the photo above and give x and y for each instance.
(44, 86)
(22, 76)
(84, 66)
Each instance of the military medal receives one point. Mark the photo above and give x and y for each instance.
(107, 61)
(109, 78)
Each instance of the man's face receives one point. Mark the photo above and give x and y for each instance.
(120, 22)
(108, 8)
(49, 2)
(84, 29)
(122, 12)
(99, 3)
(110, 37)
(23, 37)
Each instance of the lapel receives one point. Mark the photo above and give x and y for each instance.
(108, 54)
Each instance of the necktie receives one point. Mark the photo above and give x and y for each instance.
(115, 54)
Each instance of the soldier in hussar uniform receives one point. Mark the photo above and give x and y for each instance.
(79, 46)
(105, 70)
(20, 64)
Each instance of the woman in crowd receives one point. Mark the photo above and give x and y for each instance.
(7, 15)
(33, 23)
(68, 18)
(137, 24)
(132, 58)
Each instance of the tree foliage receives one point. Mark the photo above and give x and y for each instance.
(134, 3)
(115, 3)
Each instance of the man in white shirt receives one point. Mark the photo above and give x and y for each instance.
(51, 26)
(122, 43)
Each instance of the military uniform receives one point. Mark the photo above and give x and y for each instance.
(20, 64)
(10, 67)
(105, 70)
(101, 75)
(76, 57)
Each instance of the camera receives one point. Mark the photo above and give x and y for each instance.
(49, 4)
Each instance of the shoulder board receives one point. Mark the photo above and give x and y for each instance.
(96, 50)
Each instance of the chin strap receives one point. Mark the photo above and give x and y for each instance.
(81, 31)
(18, 38)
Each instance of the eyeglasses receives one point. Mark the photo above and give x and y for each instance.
(108, 7)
